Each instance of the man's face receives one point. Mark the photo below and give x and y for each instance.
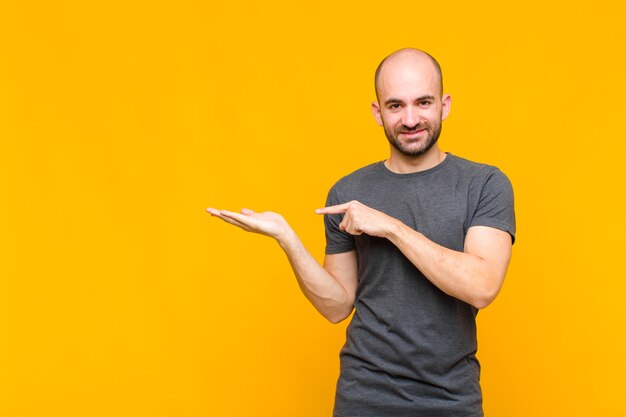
(410, 107)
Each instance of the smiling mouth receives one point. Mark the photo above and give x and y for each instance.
(412, 132)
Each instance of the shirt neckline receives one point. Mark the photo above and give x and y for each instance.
(437, 167)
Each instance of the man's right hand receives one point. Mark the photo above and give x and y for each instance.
(330, 288)
(266, 223)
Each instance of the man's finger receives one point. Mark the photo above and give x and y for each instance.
(242, 218)
(235, 222)
(338, 209)
(224, 214)
(220, 215)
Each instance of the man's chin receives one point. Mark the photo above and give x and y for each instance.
(412, 150)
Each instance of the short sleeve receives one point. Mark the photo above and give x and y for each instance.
(337, 241)
(496, 205)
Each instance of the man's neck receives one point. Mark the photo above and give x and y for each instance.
(402, 164)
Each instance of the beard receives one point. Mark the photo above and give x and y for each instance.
(405, 148)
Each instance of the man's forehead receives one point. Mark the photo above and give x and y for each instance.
(409, 79)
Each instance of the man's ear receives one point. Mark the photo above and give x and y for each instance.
(446, 101)
(376, 113)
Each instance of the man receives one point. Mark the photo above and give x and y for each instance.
(416, 244)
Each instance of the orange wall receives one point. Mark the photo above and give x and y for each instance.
(121, 121)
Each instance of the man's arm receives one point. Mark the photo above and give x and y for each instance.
(474, 275)
(331, 288)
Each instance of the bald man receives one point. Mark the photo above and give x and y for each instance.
(415, 245)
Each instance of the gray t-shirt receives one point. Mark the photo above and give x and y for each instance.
(410, 348)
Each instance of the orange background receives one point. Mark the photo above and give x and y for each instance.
(121, 121)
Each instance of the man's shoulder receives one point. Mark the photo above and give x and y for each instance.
(469, 166)
(359, 176)
(476, 172)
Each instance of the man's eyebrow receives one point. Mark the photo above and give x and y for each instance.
(397, 100)
(393, 100)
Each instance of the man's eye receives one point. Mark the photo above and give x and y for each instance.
(424, 103)
(394, 106)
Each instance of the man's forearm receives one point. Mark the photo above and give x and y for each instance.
(458, 274)
(474, 275)
(326, 294)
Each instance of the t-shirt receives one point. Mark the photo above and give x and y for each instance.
(410, 348)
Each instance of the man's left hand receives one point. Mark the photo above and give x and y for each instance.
(359, 218)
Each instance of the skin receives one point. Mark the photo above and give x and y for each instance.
(410, 108)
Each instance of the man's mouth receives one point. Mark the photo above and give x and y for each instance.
(412, 132)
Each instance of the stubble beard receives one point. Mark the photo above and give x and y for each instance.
(429, 142)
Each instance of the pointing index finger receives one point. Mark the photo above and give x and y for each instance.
(338, 209)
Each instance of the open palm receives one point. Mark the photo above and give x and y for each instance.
(265, 223)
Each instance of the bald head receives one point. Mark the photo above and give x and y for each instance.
(404, 59)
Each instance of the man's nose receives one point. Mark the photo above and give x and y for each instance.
(411, 117)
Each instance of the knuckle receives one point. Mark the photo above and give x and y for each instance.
(352, 205)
